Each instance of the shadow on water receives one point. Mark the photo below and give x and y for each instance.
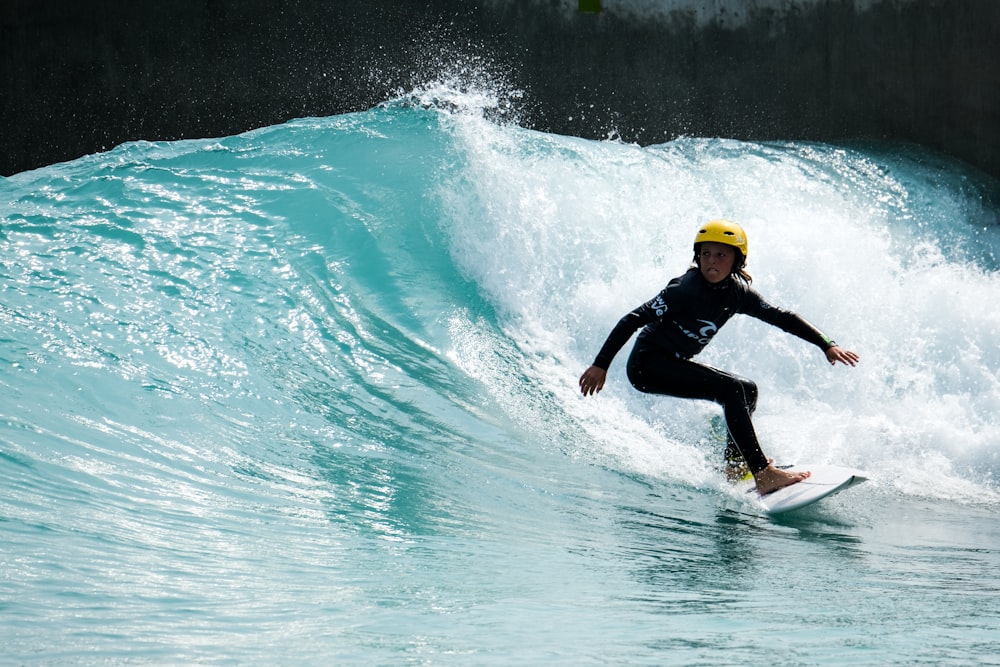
(683, 547)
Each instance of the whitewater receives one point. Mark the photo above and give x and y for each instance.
(308, 395)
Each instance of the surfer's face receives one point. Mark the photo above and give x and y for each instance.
(716, 261)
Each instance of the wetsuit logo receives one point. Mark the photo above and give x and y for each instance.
(659, 305)
(704, 334)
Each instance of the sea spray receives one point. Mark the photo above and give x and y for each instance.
(565, 235)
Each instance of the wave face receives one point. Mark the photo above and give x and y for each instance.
(309, 393)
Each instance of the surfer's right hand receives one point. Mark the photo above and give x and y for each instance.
(592, 380)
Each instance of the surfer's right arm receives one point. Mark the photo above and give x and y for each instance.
(592, 380)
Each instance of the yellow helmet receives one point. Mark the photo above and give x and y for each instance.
(723, 231)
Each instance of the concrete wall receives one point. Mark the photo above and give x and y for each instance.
(79, 77)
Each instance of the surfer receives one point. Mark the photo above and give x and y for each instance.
(682, 319)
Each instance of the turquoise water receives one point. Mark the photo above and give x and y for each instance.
(307, 395)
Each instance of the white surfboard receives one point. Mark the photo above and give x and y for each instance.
(824, 481)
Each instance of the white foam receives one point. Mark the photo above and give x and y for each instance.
(564, 236)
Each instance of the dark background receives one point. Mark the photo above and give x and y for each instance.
(80, 77)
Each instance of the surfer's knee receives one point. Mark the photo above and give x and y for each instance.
(634, 375)
(638, 376)
(749, 393)
(741, 392)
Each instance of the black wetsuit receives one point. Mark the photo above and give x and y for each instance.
(678, 323)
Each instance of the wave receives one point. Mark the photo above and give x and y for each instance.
(348, 318)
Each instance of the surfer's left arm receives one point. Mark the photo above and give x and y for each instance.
(796, 325)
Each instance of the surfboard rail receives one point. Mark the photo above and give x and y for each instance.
(823, 482)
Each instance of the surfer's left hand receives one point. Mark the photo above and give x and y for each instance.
(846, 357)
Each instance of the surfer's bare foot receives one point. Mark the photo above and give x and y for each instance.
(737, 470)
(771, 479)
